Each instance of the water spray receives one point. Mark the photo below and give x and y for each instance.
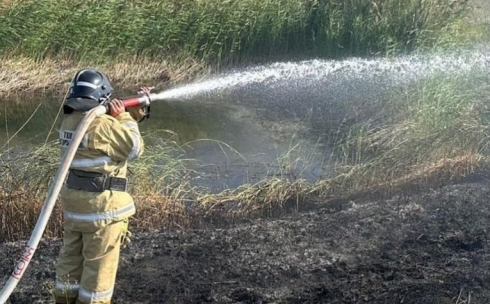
(312, 74)
(55, 188)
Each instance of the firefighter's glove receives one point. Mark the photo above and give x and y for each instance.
(125, 235)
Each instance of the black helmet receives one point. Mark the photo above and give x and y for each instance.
(89, 89)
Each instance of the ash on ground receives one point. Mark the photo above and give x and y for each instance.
(430, 247)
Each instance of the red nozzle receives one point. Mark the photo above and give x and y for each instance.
(136, 101)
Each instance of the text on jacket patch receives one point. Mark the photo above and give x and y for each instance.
(66, 138)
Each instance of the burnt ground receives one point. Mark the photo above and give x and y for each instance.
(430, 247)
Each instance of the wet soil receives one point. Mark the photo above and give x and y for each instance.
(430, 247)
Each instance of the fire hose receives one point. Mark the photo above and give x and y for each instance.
(55, 188)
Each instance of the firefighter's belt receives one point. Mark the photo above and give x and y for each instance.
(95, 182)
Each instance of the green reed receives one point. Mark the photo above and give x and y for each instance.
(224, 30)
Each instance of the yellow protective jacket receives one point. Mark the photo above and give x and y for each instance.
(107, 146)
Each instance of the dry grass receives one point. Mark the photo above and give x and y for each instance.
(20, 210)
(20, 75)
(158, 211)
(276, 196)
(165, 199)
(266, 197)
(6, 4)
(423, 176)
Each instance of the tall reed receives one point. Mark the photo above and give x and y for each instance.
(223, 30)
(441, 123)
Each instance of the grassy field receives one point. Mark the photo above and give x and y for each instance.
(429, 133)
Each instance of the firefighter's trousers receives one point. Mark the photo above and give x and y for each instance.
(87, 265)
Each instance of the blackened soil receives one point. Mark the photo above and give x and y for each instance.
(425, 248)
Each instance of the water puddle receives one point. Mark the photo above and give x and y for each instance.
(229, 144)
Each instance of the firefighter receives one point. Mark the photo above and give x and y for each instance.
(95, 201)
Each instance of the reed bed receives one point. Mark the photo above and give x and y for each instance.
(224, 31)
